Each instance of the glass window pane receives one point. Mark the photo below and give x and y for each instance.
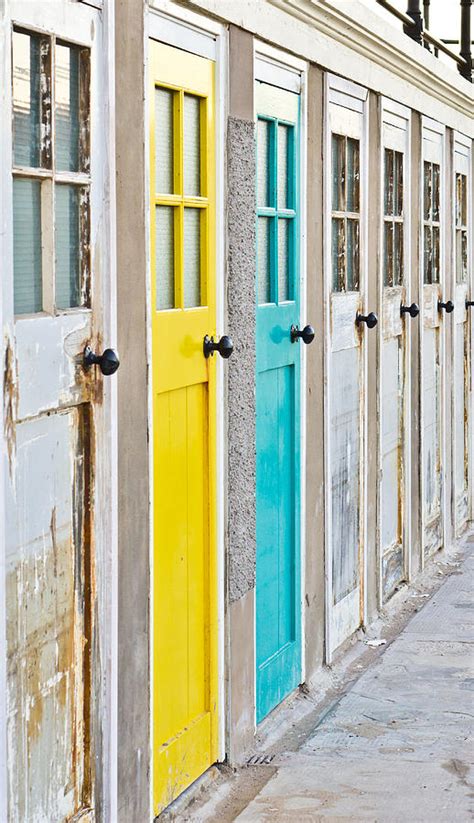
(67, 108)
(427, 190)
(263, 259)
(353, 175)
(26, 100)
(263, 148)
(398, 184)
(352, 255)
(164, 257)
(27, 274)
(67, 248)
(164, 141)
(338, 255)
(464, 200)
(388, 254)
(192, 145)
(436, 258)
(192, 258)
(388, 183)
(398, 254)
(435, 191)
(283, 149)
(427, 256)
(283, 260)
(338, 172)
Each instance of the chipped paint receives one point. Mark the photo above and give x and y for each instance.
(10, 403)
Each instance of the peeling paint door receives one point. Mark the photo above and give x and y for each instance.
(278, 608)
(54, 294)
(462, 397)
(345, 364)
(432, 348)
(182, 197)
(398, 313)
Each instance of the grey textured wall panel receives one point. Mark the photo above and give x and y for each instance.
(241, 172)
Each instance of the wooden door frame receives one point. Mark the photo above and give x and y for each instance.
(465, 143)
(389, 107)
(360, 93)
(275, 67)
(72, 23)
(428, 124)
(180, 28)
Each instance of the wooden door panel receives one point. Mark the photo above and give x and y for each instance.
(184, 400)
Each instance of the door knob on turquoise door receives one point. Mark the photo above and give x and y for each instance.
(369, 319)
(448, 307)
(224, 346)
(412, 310)
(108, 362)
(306, 334)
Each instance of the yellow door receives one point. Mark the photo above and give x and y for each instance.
(184, 399)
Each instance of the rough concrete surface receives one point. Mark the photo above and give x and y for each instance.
(386, 733)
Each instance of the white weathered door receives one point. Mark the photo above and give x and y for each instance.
(435, 307)
(462, 398)
(56, 288)
(398, 313)
(345, 290)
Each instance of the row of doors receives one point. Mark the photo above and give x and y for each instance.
(184, 384)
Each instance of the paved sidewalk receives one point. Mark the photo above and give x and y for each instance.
(399, 745)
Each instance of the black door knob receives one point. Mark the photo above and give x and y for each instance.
(306, 334)
(469, 304)
(370, 319)
(448, 307)
(108, 362)
(224, 346)
(412, 310)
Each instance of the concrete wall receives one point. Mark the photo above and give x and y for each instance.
(133, 479)
(240, 294)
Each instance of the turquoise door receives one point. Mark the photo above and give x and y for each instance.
(278, 618)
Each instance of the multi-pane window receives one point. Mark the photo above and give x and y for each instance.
(393, 218)
(276, 210)
(181, 199)
(461, 228)
(51, 174)
(345, 213)
(431, 222)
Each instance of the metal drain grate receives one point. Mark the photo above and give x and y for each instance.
(260, 759)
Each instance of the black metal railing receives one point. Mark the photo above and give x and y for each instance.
(416, 25)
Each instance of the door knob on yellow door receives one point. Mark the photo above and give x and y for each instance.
(370, 319)
(306, 334)
(412, 310)
(448, 306)
(108, 362)
(224, 346)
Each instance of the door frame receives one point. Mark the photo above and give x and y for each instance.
(74, 22)
(285, 71)
(335, 88)
(427, 125)
(391, 114)
(175, 26)
(465, 144)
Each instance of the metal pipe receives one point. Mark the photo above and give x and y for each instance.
(416, 31)
(441, 46)
(407, 21)
(466, 69)
(426, 19)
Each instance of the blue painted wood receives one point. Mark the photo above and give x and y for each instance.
(278, 596)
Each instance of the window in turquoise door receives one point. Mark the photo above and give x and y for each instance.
(345, 185)
(276, 211)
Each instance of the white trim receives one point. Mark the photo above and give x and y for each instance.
(277, 68)
(303, 139)
(193, 38)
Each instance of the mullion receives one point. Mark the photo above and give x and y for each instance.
(273, 198)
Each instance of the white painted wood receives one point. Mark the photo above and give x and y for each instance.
(182, 35)
(345, 392)
(393, 377)
(277, 100)
(269, 69)
(61, 392)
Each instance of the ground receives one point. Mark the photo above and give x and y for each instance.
(386, 735)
